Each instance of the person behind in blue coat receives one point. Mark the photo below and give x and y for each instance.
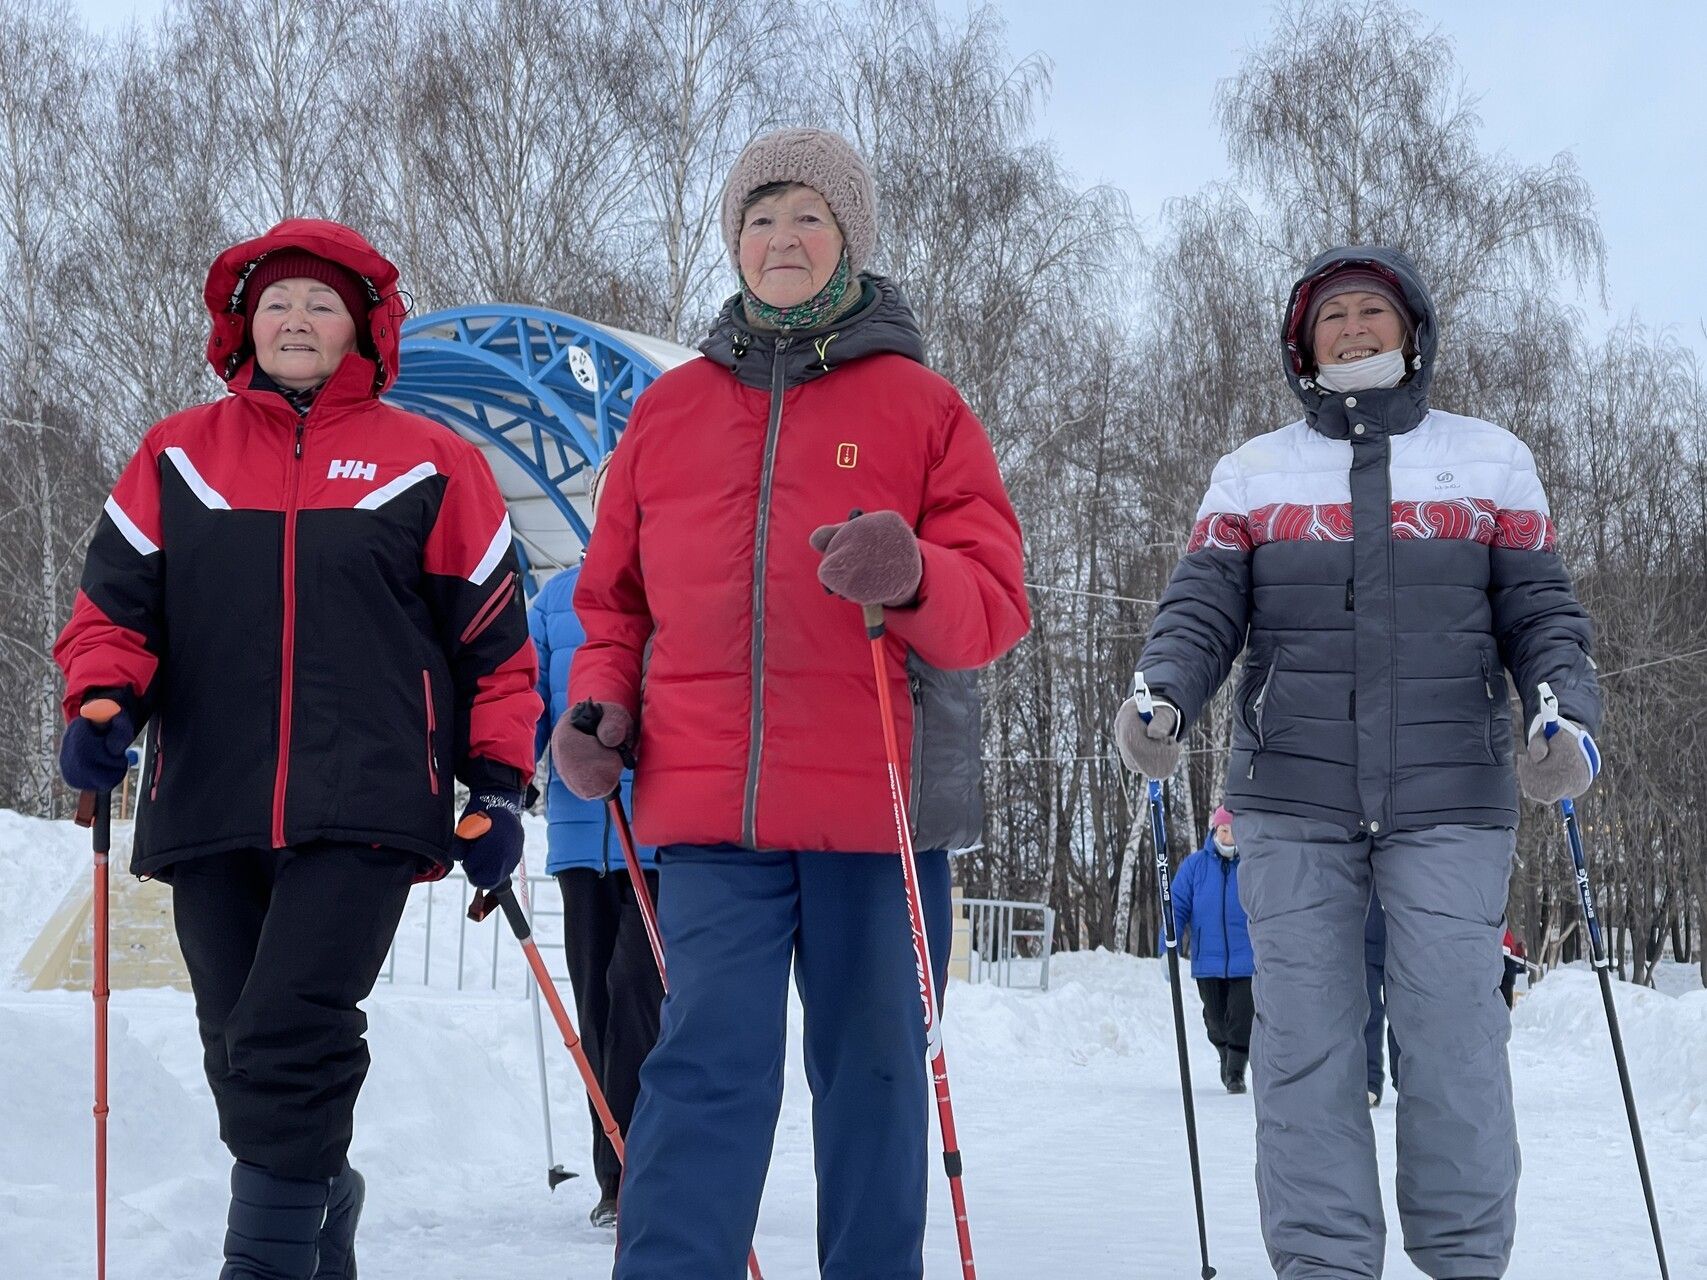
(617, 990)
(1206, 907)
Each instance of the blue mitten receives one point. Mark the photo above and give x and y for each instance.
(489, 837)
(92, 755)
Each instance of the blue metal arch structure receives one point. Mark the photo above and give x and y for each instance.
(546, 395)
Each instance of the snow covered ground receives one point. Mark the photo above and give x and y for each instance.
(1068, 1104)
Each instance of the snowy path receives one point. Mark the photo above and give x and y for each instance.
(1068, 1104)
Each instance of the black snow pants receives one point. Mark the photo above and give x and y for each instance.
(617, 994)
(1227, 1012)
(281, 945)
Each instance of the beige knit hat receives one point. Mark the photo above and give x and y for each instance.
(815, 158)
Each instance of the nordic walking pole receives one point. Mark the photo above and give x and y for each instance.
(585, 716)
(472, 828)
(874, 630)
(554, 1172)
(1602, 966)
(95, 810)
(1170, 937)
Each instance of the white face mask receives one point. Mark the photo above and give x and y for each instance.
(1227, 850)
(1368, 374)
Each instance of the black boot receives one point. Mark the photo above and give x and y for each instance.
(1233, 1071)
(604, 1213)
(273, 1225)
(338, 1236)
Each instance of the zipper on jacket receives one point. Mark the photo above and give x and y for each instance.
(432, 724)
(1392, 625)
(1259, 705)
(1226, 933)
(159, 756)
(761, 533)
(287, 647)
(1488, 718)
(916, 756)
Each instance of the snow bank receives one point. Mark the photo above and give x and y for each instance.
(1068, 1103)
(40, 862)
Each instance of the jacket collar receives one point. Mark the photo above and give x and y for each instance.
(349, 387)
(882, 322)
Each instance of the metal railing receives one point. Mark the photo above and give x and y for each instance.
(438, 941)
(1003, 952)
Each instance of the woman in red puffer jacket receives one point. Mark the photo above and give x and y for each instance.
(728, 569)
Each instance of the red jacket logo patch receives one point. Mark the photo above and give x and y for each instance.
(847, 456)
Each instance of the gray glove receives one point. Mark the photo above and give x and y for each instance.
(1560, 767)
(1148, 749)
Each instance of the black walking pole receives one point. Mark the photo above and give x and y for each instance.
(1602, 966)
(1170, 937)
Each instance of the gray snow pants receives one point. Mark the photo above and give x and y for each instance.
(1305, 885)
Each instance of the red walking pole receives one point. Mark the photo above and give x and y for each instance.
(504, 896)
(874, 630)
(95, 810)
(637, 878)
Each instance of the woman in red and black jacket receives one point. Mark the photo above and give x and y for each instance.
(311, 600)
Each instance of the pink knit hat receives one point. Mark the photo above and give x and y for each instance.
(1221, 815)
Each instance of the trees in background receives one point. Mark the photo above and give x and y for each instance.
(569, 154)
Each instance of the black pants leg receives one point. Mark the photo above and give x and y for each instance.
(1214, 993)
(281, 945)
(1240, 1012)
(617, 993)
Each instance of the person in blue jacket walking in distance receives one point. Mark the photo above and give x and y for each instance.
(1206, 907)
(617, 990)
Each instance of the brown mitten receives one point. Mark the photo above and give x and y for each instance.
(590, 761)
(871, 559)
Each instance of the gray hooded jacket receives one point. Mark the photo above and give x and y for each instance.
(1382, 564)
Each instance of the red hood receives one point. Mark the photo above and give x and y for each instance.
(228, 347)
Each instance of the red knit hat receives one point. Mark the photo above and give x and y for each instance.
(299, 264)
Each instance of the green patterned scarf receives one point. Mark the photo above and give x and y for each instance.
(817, 310)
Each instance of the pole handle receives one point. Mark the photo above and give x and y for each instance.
(1549, 709)
(1141, 691)
(586, 716)
(90, 810)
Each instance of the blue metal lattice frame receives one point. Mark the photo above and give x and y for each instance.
(550, 391)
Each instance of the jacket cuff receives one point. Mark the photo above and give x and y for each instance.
(480, 774)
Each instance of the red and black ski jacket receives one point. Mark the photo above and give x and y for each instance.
(319, 617)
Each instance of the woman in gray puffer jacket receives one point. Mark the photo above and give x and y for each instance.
(1382, 564)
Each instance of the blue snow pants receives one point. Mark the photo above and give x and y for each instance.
(733, 922)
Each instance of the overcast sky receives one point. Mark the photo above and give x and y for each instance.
(1622, 87)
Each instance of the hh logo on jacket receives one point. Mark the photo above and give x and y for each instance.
(351, 470)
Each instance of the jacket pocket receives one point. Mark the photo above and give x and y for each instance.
(1489, 709)
(431, 726)
(1259, 704)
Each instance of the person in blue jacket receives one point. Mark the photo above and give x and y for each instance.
(1207, 912)
(617, 990)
